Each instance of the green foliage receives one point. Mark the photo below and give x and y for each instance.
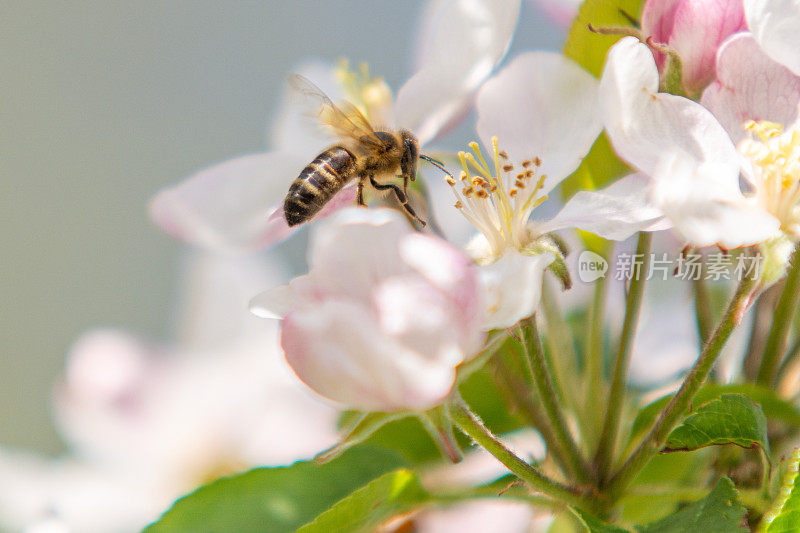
(785, 515)
(595, 525)
(589, 48)
(381, 499)
(730, 419)
(719, 512)
(275, 499)
(772, 405)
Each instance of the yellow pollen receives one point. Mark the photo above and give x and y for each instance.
(494, 198)
(775, 159)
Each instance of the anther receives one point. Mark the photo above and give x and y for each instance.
(503, 154)
(450, 181)
(537, 161)
(526, 163)
(508, 168)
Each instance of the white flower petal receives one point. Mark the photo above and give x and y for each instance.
(641, 122)
(513, 287)
(230, 205)
(776, 26)
(542, 104)
(706, 212)
(616, 212)
(751, 86)
(471, 38)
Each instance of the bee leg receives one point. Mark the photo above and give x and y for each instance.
(360, 193)
(401, 197)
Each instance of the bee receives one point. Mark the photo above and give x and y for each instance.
(361, 154)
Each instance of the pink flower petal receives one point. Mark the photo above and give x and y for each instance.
(751, 86)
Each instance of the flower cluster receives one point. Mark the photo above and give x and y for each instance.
(699, 100)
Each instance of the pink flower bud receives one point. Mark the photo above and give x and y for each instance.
(694, 29)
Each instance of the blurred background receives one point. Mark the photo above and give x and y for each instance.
(102, 103)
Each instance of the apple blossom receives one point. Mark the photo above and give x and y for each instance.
(238, 204)
(384, 315)
(691, 156)
(694, 29)
(543, 106)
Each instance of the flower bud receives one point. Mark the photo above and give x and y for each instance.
(694, 29)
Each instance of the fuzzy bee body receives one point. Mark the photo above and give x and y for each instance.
(363, 155)
(318, 182)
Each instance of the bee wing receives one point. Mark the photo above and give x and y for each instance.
(345, 121)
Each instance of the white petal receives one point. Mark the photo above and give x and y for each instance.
(703, 211)
(751, 86)
(471, 38)
(230, 206)
(544, 105)
(273, 303)
(616, 212)
(776, 26)
(642, 122)
(513, 286)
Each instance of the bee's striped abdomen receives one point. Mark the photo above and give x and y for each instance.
(318, 183)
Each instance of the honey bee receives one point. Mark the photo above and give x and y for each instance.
(361, 153)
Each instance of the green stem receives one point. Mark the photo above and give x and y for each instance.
(547, 395)
(474, 428)
(633, 305)
(559, 340)
(791, 357)
(516, 391)
(593, 384)
(679, 404)
(781, 322)
(703, 311)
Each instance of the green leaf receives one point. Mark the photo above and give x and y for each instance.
(589, 48)
(595, 525)
(730, 419)
(361, 426)
(774, 407)
(381, 499)
(785, 514)
(719, 512)
(275, 499)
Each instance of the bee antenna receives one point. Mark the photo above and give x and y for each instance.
(435, 162)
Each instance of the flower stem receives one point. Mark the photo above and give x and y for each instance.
(633, 305)
(559, 340)
(537, 365)
(683, 398)
(593, 373)
(781, 322)
(517, 394)
(703, 309)
(472, 426)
